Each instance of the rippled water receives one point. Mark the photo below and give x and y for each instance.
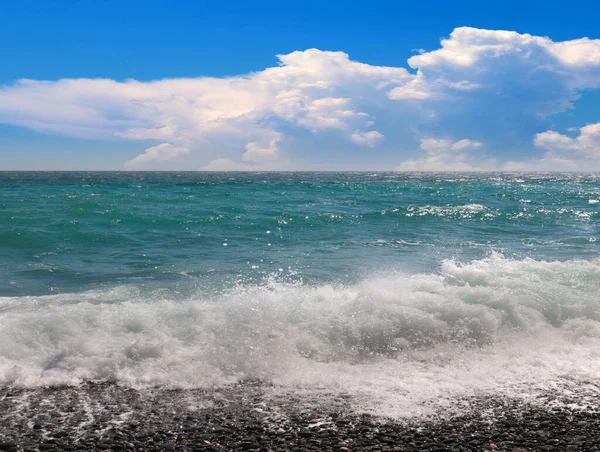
(64, 232)
(403, 289)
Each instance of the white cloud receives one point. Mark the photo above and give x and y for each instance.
(578, 52)
(256, 152)
(587, 143)
(555, 141)
(369, 139)
(160, 152)
(434, 146)
(580, 152)
(524, 72)
(563, 152)
(465, 144)
(467, 46)
(199, 114)
(417, 89)
(326, 113)
(497, 85)
(445, 155)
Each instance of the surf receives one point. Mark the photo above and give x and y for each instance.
(399, 342)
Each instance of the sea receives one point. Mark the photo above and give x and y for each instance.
(404, 291)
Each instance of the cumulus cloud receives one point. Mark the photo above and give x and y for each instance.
(417, 88)
(434, 146)
(445, 155)
(468, 46)
(308, 90)
(158, 153)
(581, 152)
(586, 144)
(465, 144)
(257, 152)
(500, 86)
(437, 146)
(369, 139)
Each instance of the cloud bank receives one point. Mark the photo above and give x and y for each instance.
(482, 100)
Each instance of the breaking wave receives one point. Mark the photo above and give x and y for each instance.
(397, 341)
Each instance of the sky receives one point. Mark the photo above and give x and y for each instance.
(203, 85)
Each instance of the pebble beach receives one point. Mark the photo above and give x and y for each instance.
(249, 416)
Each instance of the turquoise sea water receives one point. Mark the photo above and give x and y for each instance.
(65, 232)
(402, 289)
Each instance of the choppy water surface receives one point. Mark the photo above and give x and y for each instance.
(402, 289)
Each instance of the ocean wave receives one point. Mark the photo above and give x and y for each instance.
(395, 339)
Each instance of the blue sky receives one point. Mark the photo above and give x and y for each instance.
(343, 94)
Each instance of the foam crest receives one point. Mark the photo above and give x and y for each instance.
(399, 342)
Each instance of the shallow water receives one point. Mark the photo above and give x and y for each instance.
(403, 290)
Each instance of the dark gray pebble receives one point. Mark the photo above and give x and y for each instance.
(105, 416)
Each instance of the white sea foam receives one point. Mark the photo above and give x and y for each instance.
(401, 344)
(462, 211)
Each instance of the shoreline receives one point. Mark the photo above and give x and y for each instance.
(246, 416)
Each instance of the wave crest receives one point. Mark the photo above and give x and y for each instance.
(489, 313)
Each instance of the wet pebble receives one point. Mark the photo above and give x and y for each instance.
(108, 417)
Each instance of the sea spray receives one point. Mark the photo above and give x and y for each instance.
(491, 324)
(403, 291)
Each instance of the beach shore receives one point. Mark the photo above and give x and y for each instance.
(248, 416)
